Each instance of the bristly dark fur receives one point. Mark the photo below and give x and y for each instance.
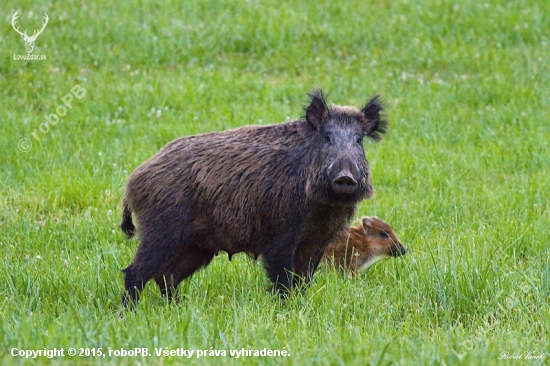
(280, 191)
(127, 225)
(316, 112)
(373, 111)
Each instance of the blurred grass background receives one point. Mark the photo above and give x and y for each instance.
(462, 175)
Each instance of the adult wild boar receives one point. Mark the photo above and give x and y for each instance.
(280, 191)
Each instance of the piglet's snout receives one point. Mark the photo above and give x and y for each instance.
(397, 250)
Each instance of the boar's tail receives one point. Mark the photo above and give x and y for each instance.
(127, 226)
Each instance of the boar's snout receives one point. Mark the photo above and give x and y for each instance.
(344, 184)
(344, 174)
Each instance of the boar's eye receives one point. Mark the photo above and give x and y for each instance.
(359, 139)
(327, 138)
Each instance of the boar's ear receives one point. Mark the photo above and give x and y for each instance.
(375, 125)
(317, 111)
(367, 224)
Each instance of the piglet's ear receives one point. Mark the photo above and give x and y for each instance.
(375, 126)
(367, 224)
(317, 112)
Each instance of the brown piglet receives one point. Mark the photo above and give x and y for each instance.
(361, 246)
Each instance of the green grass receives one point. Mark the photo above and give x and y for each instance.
(462, 175)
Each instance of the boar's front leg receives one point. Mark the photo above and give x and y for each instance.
(308, 256)
(279, 261)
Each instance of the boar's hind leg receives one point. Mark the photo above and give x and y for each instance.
(187, 262)
(150, 258)
(134, 281)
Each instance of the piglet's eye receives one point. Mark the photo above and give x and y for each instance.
(384, 234)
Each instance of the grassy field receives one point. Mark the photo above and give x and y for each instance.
(462, 176)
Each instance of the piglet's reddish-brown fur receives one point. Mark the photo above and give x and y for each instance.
(361, 246)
